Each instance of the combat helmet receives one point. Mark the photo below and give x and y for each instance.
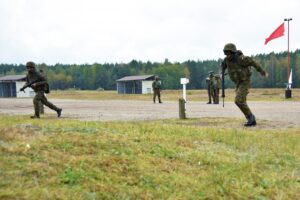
(30, 64)
(230, 47)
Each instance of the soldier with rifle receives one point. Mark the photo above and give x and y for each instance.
(156, 86)
(216, 88)
(209, 83)
(40, 86)
(239, 70)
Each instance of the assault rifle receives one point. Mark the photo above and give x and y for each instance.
(28, 85)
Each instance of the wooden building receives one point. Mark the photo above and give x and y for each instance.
(11, 84)
(135, 84)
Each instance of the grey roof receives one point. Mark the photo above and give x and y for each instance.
(13, 78)
(137, 78)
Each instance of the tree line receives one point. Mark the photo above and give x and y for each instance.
(103, 76)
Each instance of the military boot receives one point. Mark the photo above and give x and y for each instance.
(59, 112)
(34, 116)
(251, 120)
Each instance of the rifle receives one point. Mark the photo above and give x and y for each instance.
(28, 85)
(223, 85)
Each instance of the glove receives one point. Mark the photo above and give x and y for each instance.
(265, 74)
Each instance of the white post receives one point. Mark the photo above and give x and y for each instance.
(184, 92)
(184, 81)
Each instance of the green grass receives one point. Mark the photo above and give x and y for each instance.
(167, 159)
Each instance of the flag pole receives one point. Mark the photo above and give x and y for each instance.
(288, 91)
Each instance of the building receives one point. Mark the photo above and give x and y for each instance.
(11, 84)
(135, 84)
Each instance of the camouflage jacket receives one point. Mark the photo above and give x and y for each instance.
(239, 68)
(216, 82)
(39, 81)
(156, 84)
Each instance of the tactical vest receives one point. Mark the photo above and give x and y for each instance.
(238, 69)
(156, 85)
(35, 76)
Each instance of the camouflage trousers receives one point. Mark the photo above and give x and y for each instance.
(40, 98)
(241, 92)
(156, 92)
(215, 95)
(209, 92)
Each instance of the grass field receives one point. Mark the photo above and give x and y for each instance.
(172, 95)
(167, 159)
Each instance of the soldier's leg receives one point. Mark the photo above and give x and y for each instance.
(154, 95)
(241, 102)
(242, 91)
(217, 96)
(41, 107)
(214, 96)
(36, 104)
(209, 96)
(50, 105)
(158, 95)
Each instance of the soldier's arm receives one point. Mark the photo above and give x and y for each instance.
(223, 65)
(256, 65)
(41, 81)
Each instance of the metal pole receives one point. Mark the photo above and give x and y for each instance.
(289, 49)
(288, 53)
(288, 92)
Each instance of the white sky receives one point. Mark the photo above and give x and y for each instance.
(108, 31)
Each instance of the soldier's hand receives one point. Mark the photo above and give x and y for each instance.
(265, 74)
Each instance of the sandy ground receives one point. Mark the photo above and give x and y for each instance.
(273, 114)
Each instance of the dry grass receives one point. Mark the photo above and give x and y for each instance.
(172, 95)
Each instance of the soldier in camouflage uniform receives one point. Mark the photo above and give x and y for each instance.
(156, 86)
(209, 82)
(39, 84)
(239, 70)
(216, 85)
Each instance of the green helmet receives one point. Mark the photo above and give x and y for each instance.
(30, 64)
(230, 47)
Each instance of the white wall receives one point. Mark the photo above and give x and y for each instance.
(147, 87)
(28, 91)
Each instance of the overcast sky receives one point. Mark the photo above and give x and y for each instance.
(109, 31)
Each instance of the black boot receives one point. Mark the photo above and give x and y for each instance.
(34, 116)
(208, 102)
(59, 112)
(251, 121)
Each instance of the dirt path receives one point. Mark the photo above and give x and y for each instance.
(279, 114)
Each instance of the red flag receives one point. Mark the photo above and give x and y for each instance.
(277, 33)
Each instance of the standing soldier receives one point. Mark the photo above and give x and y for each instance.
(209, 82)
(39, 84)
(216, 88)
(239, 70)
(156, 86)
